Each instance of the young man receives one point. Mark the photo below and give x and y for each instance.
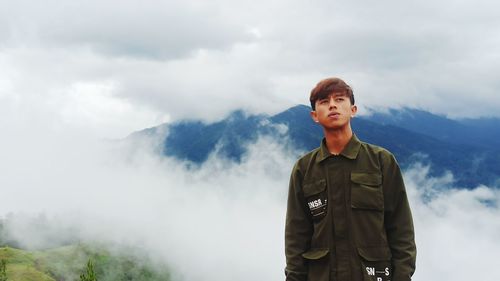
(348, 217)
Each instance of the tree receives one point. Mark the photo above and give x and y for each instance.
(89, 275)
(3, 270)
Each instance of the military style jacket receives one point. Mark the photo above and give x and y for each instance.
(348, 217)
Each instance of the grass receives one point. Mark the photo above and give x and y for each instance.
(21, 266)
(68, 262)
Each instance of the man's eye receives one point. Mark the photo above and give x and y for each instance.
(339, 99)
(323, 101)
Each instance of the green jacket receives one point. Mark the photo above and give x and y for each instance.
(348, 217)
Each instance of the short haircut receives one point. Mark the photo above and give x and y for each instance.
(328, 86)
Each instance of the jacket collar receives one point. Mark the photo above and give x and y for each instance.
(350, 150)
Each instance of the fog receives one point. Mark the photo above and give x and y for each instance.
(216, 222)
(219, 221)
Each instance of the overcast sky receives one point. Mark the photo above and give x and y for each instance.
(117, 66)
(75, 72)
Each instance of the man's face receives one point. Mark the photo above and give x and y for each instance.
(334, 111)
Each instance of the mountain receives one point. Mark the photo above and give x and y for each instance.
(484, 132)
(467, 148)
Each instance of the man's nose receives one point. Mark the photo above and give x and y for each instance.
(332, 103)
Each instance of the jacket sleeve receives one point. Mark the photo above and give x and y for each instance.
(398, 222)
(298, 230)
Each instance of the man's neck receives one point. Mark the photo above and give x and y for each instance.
(336, 140)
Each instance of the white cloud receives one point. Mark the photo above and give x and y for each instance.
(456, 229)
(147, 29)
(37, 87)
(198, 59)
(221, 215)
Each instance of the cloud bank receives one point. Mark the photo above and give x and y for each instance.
(221, 221)
(198, 59)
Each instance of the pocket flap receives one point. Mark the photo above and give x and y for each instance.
(367, 198)
(367, 179)
(314, 188)
(375, 253)
(315, 254)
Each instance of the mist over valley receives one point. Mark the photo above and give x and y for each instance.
(225, 209)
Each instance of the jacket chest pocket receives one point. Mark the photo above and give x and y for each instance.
(366, 191)
(316, 198)
(367, 209)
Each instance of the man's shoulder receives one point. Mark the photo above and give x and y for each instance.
(310, 155)
(377, 150)
(305, 162)
(307, 157)
(374, 147)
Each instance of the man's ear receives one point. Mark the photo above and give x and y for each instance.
(314, 116)
(354, 109)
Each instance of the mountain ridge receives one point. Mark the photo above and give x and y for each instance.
(411, 134)
(479, 132)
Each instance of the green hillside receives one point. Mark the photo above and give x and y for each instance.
(68, 262)
(22, 266)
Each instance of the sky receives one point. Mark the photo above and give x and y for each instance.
(75, 76)
(114, 67)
